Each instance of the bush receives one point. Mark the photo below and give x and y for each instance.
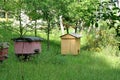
(96, 41)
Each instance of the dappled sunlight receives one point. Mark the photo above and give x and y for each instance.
(99, 60)
(113, 61)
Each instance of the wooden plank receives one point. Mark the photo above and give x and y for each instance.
(70, 45)
(65, 46)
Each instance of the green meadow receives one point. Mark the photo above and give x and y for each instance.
(51, 65)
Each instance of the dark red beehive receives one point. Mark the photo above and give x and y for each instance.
(3, 51)
(27, 45)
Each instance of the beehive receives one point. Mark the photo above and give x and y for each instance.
(70, 44)
(27, 45)
(3, 51)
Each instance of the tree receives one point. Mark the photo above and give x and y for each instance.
(48, 13)
(33, 11)
(110, 14)
(76, 12)
(16, 7)
(45, 10)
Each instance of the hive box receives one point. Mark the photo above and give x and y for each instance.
(70, 44)
(3, 51)
(27, 45)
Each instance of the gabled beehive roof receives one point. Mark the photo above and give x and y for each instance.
(73, 35)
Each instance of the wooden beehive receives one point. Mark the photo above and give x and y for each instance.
(27, 45)
(3, 51)
(70, 44)
(3, 54)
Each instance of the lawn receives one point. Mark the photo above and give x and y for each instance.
(51, 65)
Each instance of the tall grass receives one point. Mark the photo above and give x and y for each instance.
(51, 65)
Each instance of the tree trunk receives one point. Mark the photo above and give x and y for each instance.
(119, 3)
(61, 25)
(48, 35)
(67, 28)
(75, 29)
(6, 16)
(20, 26)
(35, 28)
(76, 26)
(81, 26)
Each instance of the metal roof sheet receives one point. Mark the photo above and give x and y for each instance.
(73, 34)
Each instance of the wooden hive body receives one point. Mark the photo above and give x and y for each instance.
(70, 44)
(27, 47)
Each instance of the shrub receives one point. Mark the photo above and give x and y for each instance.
(96, 41)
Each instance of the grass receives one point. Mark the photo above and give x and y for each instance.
(51, 65)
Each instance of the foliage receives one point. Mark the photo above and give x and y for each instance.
(100, 40)
(80, 10)
(105, 25)
(77, 10)
(110, 14)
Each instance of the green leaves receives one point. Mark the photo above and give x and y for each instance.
(76, 10)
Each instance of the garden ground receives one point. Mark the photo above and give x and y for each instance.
(51, 65)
